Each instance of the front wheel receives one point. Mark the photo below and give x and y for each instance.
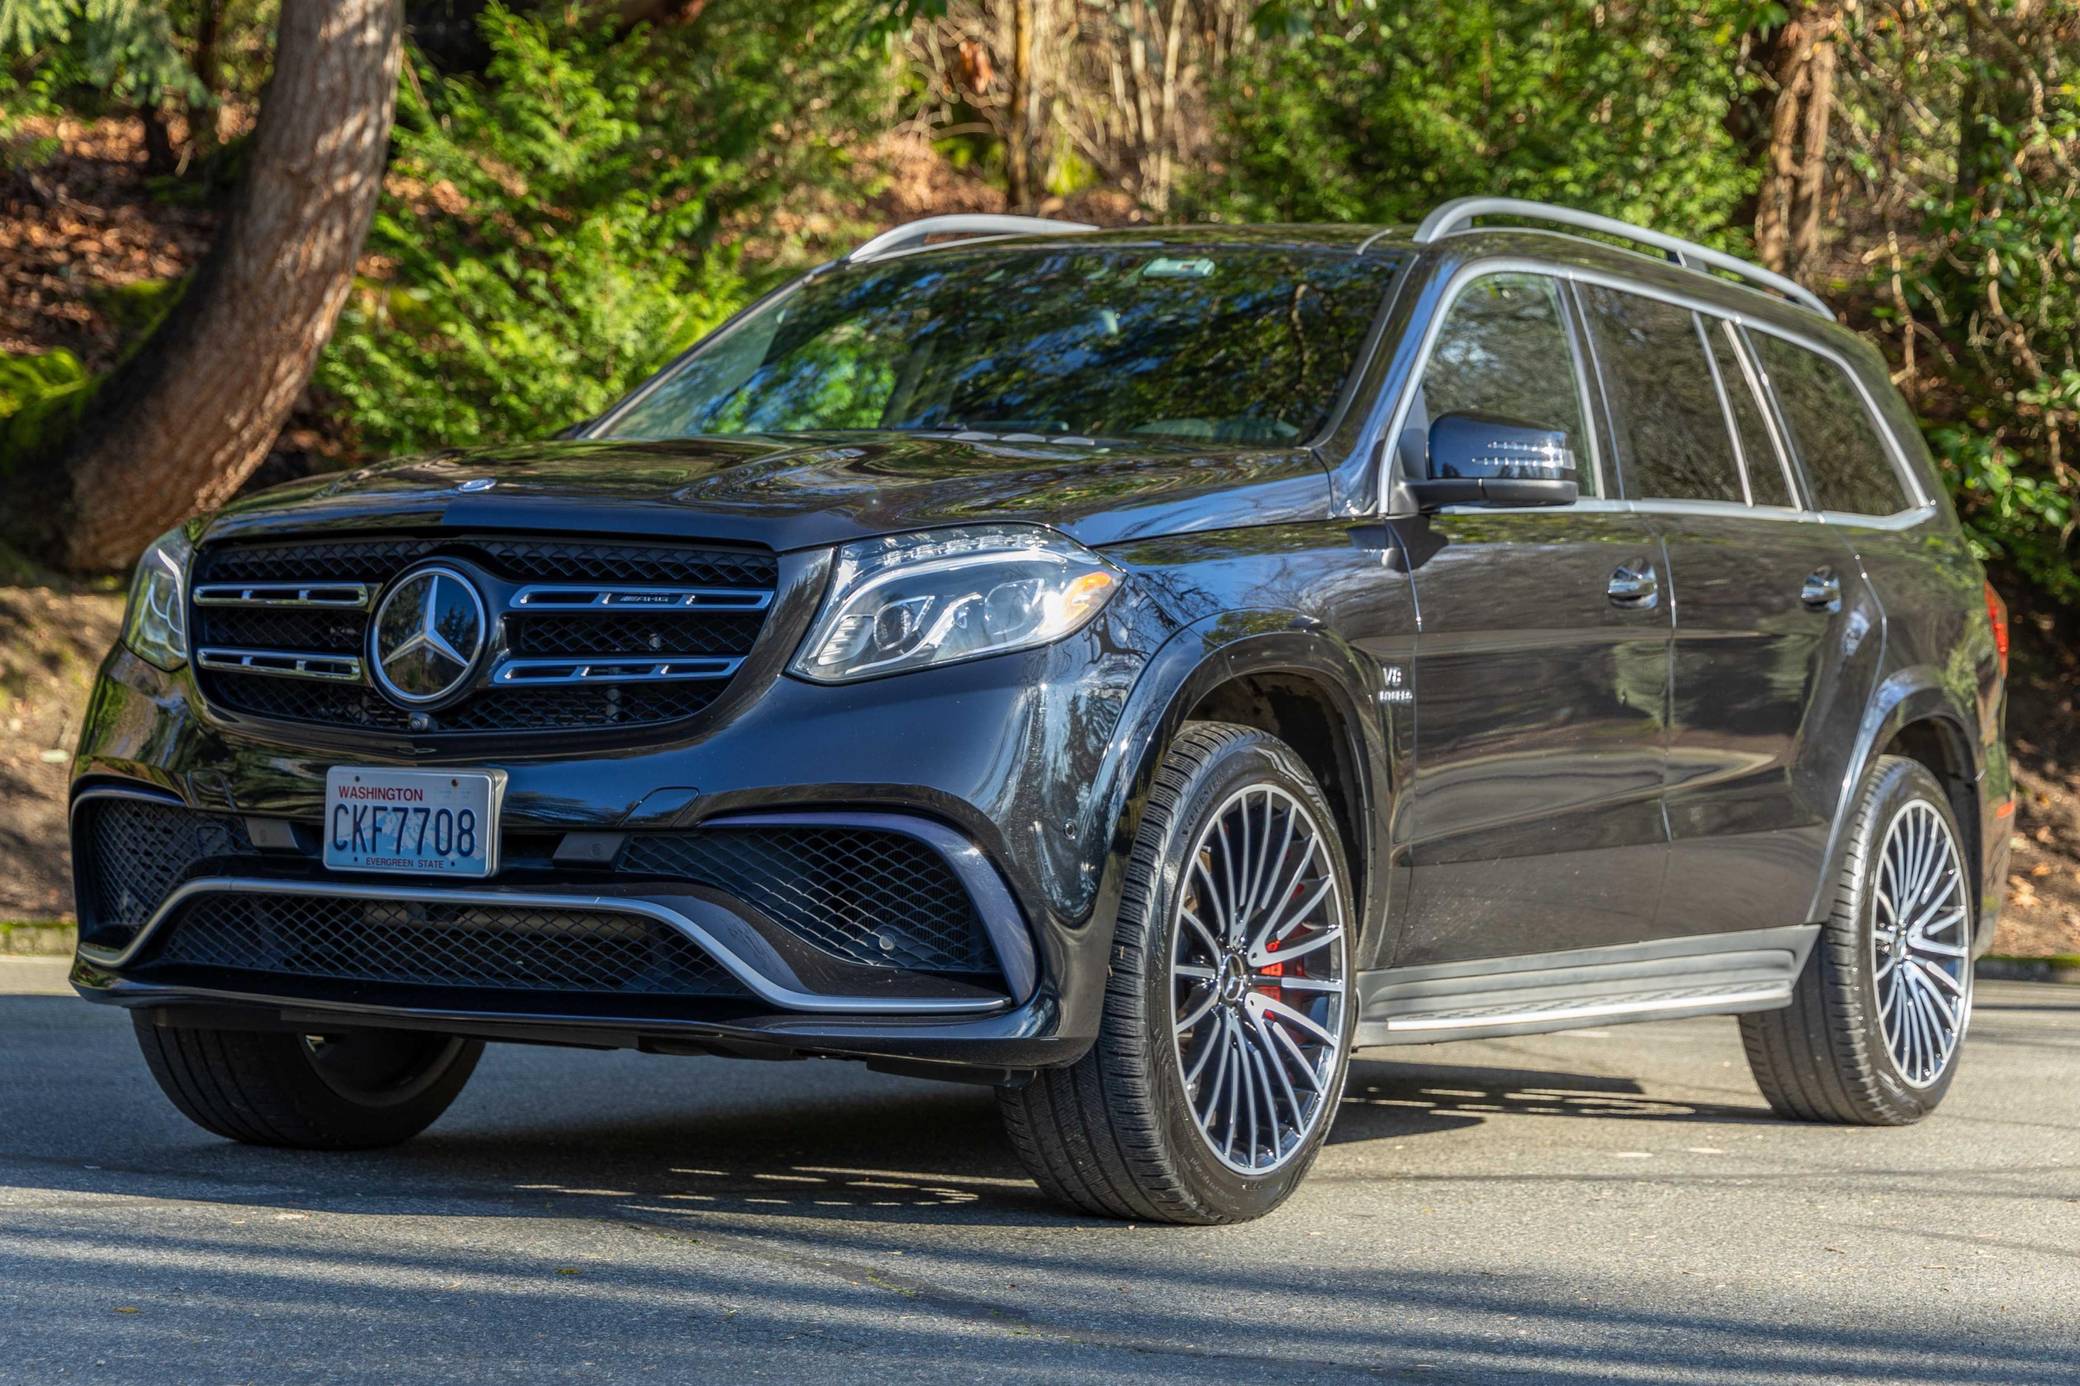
(1872, 1035)
(350, 1090)
(1226, 1034)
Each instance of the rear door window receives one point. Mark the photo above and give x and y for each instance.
(1847, 462)
(1672, 434)
(1504, 349)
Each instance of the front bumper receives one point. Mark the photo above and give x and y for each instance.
(1009, 768)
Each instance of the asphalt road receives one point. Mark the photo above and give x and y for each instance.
(1608, 1205)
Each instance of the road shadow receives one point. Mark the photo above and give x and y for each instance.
(546, 1131)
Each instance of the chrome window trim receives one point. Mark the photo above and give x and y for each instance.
(1471, 270)
(1726, 419)
(1725, 510)
(1751, 371)
(1903, 520)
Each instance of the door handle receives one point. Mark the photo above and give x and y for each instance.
(1822, 590)
(1634, 585)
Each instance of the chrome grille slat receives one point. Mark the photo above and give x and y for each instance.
(612, 670)
(288, 596)
(598, 634)
(575, 597)
(285, 664)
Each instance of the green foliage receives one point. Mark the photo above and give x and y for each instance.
(556, 229)
(123, 49)
(1997, 290)
(42, 397)
(1374, 112)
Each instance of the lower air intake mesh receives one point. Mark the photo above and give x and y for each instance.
(866, 895)
(471, 947)
(136, 852)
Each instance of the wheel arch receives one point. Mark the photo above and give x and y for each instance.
(1295, 680)
(1911, 714)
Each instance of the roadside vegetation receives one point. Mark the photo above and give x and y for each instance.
(533, 204)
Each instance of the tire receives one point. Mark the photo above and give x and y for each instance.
(1852, 1047)
(1119, 1133)
(355, 1090)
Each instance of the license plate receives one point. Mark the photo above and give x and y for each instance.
(415, 822)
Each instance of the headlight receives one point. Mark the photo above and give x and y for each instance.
(156, 626)
(933, 598)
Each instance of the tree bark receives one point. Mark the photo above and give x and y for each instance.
(185, 421)
(1798, 63)
(1024, 102)
(202, 115)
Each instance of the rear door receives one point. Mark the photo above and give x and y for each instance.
(1532, 822)
(1769, 613)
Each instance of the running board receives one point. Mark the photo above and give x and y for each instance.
(1712, 974)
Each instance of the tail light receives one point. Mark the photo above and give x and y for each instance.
(1997, 612)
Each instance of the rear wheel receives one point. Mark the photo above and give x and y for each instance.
(348, 1090)
(1226, 1034)
(1879, 1016)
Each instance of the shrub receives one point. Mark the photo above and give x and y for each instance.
(1375, 113)
(553, 231)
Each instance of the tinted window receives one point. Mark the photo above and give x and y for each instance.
(1672, 438)
(1504, 349)
(1221, 345)
(1766, 483)
(1846, 460)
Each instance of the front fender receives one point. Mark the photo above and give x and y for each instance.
(1200, 658)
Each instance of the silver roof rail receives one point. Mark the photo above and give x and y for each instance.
(915, 233)
(1460, 214)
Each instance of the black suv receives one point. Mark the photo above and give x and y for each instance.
(1130, 668)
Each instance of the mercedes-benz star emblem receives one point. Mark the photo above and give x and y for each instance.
(427, 636)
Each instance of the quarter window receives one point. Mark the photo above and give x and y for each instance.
(1766, 483)
(1847, 462)
(1504, 349)
(1673, 442)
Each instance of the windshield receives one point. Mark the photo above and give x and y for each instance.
(1222, 345)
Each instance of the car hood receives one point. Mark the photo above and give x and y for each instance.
(806, 490)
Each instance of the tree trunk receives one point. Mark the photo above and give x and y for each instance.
(1798, 63)
(161, 159)
(202, 115)
(181, 426)
(1018, 142)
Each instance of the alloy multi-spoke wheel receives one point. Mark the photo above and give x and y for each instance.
(1225, 1037)
(1878, 1017)
(1921, 943)
(1258, 978)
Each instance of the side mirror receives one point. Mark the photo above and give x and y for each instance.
(1480, 459)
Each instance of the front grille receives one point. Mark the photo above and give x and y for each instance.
(135, 852)
(865, 895)
(469, 947)
(612, 630)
